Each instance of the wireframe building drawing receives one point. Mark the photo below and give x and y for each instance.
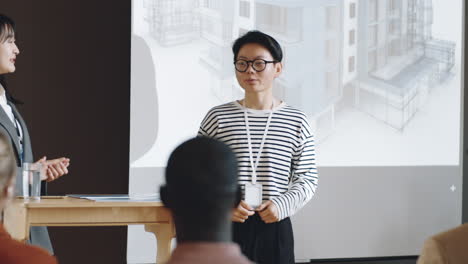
(172, 22)
(311, 34)
(377, 56)
(219, 27)
(398, 60)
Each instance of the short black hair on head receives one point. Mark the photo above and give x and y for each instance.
(202, 170)
(7, 28)
(258, 37)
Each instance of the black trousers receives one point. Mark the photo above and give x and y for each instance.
(265, 243)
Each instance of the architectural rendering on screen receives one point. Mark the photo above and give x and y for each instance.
(368, 69)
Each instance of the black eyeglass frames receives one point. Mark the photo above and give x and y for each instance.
(258, 65)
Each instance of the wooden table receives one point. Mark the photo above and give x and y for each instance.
(66, 211)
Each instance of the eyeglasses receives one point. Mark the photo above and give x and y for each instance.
(258, 65)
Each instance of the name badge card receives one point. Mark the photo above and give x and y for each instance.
(253, 194)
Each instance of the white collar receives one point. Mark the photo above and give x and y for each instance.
(3, 99)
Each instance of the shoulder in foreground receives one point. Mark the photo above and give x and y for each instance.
(22, 254)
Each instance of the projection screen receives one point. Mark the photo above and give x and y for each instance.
(380, 81)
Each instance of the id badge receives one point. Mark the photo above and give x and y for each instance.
(253, 194)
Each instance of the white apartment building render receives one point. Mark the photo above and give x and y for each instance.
(310, 33)
(350, 39)
(172, 22)
(399, 61)
(219, 26)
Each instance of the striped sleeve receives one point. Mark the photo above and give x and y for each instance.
(304, 176)
(209, 125)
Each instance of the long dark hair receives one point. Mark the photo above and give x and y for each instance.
(7, 31)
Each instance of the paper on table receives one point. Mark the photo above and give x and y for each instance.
(152, 197)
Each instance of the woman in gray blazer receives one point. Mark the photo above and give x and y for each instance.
(14, 127)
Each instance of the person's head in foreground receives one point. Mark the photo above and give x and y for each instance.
(201, 190)
(7, 171)
(12, 251)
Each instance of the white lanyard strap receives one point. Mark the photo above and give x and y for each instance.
(249, 141)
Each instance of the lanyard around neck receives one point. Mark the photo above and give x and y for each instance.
(249, 141)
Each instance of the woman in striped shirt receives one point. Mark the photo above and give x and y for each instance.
(275, 150)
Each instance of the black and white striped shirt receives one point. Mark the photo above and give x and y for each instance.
(287, 169)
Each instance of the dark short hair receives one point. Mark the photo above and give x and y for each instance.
(7, 28)
(202, 170)
(258, 37)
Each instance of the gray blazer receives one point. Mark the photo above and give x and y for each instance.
(38, 234)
